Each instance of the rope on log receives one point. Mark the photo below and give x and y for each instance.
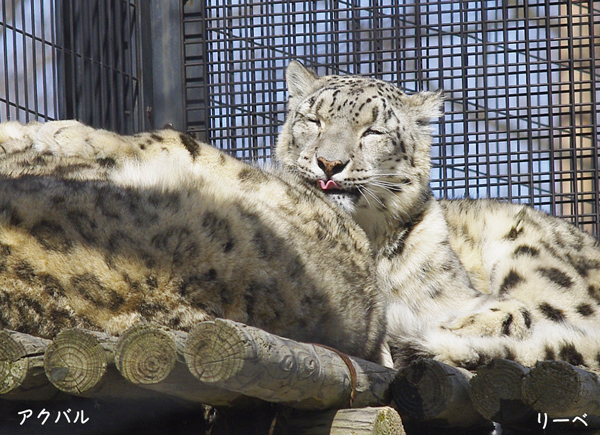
(497, 395)
(436, 393)
(559, 389)
(251, 361)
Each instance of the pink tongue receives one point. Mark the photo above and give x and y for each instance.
(329, 185)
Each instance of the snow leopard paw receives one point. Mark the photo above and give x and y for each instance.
(447, 347)
(16, 137)
(502, 318)
(65, 138)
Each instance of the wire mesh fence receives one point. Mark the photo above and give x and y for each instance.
(27, 72)
(522, 80)
(71, 59)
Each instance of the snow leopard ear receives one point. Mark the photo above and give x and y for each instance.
(300, 80)
(427, 105)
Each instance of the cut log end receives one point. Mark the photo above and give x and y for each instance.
(386, 422)
(552, 386)
(145, 354)
(13, 365)
(75, 361)
(216, 351)
(558, 388)
(364, 421)
(496, 393)
(421, 390)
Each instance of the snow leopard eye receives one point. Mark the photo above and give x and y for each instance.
(371, 132)
(312, 119)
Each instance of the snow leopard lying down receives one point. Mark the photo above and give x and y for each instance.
(464, 281)
(101, 231)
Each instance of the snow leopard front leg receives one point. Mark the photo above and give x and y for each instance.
(426, 289)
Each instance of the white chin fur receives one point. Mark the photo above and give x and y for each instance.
(343, 201)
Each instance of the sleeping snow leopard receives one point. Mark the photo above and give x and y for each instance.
(102, 231)
(464, 280)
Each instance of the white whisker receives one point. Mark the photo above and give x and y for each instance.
(392, 187)
(383, 174)
(372, 194)
(360, 190)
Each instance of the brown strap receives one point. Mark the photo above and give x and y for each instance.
(351, 368)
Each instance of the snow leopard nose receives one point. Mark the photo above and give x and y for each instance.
(331, 168)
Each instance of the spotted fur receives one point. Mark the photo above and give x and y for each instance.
(465, 281)
(102, 231)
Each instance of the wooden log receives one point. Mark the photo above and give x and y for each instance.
(559, 389)
(81, 362)
(22, 374)
(145, 354)
(361, 421)
(496, 394)
(152, 358)
(436, 393)
(251, 361)
(75, 362)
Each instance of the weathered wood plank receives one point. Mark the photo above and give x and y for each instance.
(362, 421)
(496, 394)
(436, 393)
(251, 361)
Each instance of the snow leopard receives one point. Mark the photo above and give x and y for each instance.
(102, 231)
(465, 280)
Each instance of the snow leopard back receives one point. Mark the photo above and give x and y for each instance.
(101, 231)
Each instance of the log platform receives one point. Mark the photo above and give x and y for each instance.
(552, 393)
(308, 388)
(243, 368)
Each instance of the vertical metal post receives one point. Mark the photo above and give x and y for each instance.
(196, 63)
(162, 45)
